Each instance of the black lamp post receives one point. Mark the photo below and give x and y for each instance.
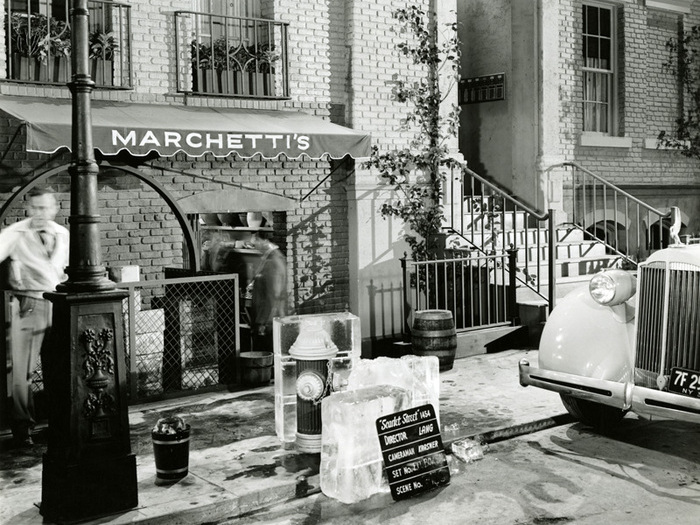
(88, 468)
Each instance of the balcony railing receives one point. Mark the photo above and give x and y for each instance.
(231, 56)
(39, 43)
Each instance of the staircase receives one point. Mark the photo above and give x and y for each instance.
(576, 258)
(486, 220)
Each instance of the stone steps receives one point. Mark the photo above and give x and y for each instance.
(578, 259)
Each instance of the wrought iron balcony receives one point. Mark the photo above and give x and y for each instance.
(39, 43)
(231, 56)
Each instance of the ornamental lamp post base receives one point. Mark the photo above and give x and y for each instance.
(88, 468)
(89, 489)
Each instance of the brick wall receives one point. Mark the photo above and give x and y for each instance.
(648, 98)
(137, 226)
(375, 244)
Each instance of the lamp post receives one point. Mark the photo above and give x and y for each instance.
(88, 467)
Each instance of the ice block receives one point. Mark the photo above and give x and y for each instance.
(352, 467)
(344, 331)
(419, 375)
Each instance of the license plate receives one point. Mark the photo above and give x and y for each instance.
(684, 381)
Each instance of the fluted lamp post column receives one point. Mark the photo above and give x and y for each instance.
(88, 468)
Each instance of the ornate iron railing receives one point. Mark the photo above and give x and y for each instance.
(39, 43)
(231, 56)
(627, 226)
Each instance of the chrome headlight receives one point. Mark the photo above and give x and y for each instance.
(612, 287)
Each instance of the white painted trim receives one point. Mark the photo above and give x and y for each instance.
(653, 143)
(676, 6)
(598, 140)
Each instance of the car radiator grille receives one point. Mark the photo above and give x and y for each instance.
(668, 320)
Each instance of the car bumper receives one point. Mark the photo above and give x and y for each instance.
(626, 396)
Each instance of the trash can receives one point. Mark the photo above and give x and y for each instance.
(171, 448)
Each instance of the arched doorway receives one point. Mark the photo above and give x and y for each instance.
(190, 241)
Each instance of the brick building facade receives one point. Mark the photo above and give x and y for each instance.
(340, 61)
(542, 123)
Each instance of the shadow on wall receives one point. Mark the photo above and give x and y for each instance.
(313, 273)
(470, 139)
(382, 301)
(319, 248)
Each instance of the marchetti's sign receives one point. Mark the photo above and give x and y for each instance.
(170, 129)
(412, 449)
(217, 143)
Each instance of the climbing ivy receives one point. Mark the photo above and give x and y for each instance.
(684, 64)
(417, 172)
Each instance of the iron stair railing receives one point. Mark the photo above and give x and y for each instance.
(629, 227)
(488, 219)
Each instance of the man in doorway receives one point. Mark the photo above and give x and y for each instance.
(37, 249)
(269, 291)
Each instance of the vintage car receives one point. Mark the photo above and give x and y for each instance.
(627, 342)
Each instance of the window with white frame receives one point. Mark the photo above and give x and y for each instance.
(216, 26)
(598, 68)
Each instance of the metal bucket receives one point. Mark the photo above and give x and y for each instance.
(433, 333)
(172, 454)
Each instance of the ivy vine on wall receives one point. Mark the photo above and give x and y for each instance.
(417, 172)
(684, 64)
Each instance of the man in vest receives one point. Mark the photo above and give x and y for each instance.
(37, 249)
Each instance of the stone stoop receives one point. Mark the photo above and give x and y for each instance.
(578, 259)
(490, 340)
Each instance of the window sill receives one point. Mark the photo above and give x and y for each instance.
(653, 143)
(676, 6)
(598, 140)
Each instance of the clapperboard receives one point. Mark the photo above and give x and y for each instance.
(414, 457)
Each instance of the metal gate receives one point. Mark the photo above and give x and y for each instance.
(182, 336)
(478, 289)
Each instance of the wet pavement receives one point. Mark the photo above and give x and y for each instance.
(237, 464)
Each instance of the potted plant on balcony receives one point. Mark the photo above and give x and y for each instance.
(28, 45)
(103, 47)
(266, 59)
(245, 62)
(229, 70)
(202, 67)
(59, 67)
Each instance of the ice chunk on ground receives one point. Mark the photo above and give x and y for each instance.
(468, 450)
(419, 375)
(352, 467)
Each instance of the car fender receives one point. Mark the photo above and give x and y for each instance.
(585, 338)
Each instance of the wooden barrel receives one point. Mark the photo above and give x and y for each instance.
(433, 333)
(256, 368)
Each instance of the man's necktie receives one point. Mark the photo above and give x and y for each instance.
(47, 240)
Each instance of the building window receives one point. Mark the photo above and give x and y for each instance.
(216, 25)
(598, 68)
(235, 49)
(38, 42)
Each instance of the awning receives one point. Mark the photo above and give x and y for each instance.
(143, 128)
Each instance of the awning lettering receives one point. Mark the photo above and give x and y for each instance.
(168, 129)
(210, 141)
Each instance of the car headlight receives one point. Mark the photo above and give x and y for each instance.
(612, 287)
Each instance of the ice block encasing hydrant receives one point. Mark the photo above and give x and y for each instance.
(312, 350)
